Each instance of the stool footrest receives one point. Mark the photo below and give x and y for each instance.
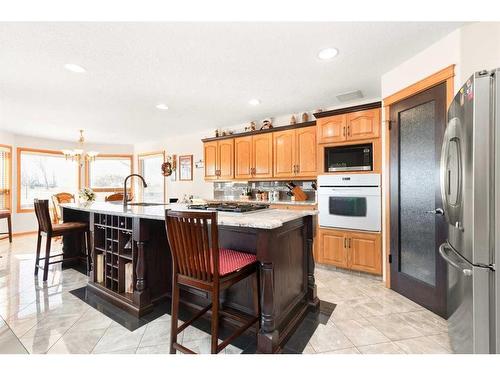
(183, 326)
(183, 349)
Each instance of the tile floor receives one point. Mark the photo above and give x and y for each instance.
(38, 318)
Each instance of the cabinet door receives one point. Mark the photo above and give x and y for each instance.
(332, 129)
(332, 248)
(363, 124)
(365, 252)
(305, 152)
(262, 151)
(284, 153)
(226, 159)
(210, 155)
(243, 157)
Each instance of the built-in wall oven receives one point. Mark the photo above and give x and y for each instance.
(349, 158)
(350, 201)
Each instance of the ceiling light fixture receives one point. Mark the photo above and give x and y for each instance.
(162, 106)
(75, 68)
(254, 102)
(328, 53)
(79, 154)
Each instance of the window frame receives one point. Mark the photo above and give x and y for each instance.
(109, 189)
(9, 177)
(146, 155)
(20, 150)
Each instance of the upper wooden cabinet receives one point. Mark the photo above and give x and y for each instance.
(253, 156)
(348, 127)
(332, 129)
(363, 124)
(295, 153)
(219, 160)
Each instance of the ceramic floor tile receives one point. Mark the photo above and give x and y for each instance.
(118, 338)
(426, 322)
(394, 327)
(343, 351)
(442, 339)
(384, 348)
(92, 320)
(309, 350)
(77, 342)
(421, 345)
(53, 325)
(157, 349)
(39, 344)
(9, 343)
(329, 337)
(158, 333)
(361, 332)
(346, 310)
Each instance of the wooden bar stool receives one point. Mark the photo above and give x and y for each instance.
(116, 197)
(198, 262)
(46, 228)
(57, 200)
(5, 214)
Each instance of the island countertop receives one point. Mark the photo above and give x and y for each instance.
(263, 219)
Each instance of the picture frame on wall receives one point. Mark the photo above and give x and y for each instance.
(185, 167)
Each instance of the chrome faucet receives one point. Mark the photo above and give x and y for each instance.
(125, 197)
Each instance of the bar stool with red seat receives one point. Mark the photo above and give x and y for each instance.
(46, 228)
(5, 214)
(198, 262)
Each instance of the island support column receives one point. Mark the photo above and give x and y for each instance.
(141, 235)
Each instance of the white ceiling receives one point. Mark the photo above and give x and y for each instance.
(204, 72)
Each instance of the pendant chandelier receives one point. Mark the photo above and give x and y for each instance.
(79, 154)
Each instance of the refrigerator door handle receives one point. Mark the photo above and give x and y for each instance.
(446, 252)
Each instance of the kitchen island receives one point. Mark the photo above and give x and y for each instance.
(134, 237)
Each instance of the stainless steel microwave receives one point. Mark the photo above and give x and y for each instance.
(349, 158)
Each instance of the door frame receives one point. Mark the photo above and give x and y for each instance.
(444, 75)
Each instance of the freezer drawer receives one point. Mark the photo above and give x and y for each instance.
(468, 303)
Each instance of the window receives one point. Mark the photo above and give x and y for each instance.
(5, 176)
(43, 173)
(150, 169)
(107, 172)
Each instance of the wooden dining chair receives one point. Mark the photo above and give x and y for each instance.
(5, 214)
(57, 200)
(197, 262)
(49, 230)
(116, 197)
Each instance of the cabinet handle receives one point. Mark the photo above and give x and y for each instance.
(349, 130)
(345, 243)
(349, 239)
(298, 168)
(343, 129)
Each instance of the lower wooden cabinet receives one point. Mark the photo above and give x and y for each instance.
(360, 251)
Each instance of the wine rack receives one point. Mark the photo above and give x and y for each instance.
(113, 239)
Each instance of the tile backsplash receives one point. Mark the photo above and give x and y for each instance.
(233, 189)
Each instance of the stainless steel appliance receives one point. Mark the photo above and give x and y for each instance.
(349, 158)
(351, 201)
(470, 191)
(229, 207)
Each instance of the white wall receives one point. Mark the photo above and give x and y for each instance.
(24, 222)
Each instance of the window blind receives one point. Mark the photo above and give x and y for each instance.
(4, 177)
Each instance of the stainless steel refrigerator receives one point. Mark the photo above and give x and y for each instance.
(470, 187)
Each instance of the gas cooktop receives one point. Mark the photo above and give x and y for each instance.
(229, 207)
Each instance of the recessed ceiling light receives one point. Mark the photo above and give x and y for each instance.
(162, 106)
(254, 102)
(75, 68)
(328, 53)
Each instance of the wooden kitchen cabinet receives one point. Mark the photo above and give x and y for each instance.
(332, 249)
(243, 157)
(262, 155)
(284, 153)
(349, 127)
(359, 251)
(363, 124)
(295, 153)
(219, 160)
(253, 156)
(332, 129)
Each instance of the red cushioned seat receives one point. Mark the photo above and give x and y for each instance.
(232, 260)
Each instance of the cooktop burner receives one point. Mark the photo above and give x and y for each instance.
(229, 207)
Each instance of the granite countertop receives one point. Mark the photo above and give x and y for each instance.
(264, 219)
(289, 203)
